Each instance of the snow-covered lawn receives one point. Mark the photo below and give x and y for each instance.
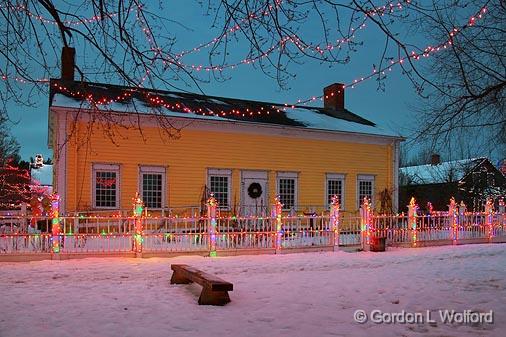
(309, 294)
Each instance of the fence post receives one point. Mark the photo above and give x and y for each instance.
(502, 216)
(489, 214)
(365, 218)
(334, 220)
(138, 208)
(412, 214)
(75, 227)
(452, 214)
(212, 204)
(462, 214)
(278, 213)
(55, 224)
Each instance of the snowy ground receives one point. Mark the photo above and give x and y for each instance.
(310, 294)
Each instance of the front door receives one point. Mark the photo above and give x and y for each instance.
(254, 196)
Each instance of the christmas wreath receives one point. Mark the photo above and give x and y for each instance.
(254, 190)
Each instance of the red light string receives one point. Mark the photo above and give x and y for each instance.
(93, 19)
(180, 107)
(155, 100)
(429, 50)
(296, 40)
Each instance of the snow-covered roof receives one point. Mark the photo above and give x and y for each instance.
(196, 106)
(450, 171)
(42, 175)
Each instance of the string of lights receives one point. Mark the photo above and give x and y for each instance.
(316, 49)
(159, 101)
(414, 56)
(80, 21)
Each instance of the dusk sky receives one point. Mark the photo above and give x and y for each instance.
(391, 108)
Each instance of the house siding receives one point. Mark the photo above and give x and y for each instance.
(188, 158)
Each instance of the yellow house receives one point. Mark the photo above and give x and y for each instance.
(175, 148)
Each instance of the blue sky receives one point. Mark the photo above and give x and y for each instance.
(389, 108)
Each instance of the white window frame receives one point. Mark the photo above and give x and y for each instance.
(365, 177)
(106, 168)
(335, 176)
(221, 173)
(295, 177)
(153, 170)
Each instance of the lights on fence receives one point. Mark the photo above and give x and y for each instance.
(365, 223)
(412, 214)
(452, 214)
(138, 209)
(55, 228)
(212, 206)
(489, 214)
(278, 213)
(334, 218)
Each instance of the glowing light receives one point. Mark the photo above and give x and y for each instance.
(278, 213)
(412, 214)
(334, 218)
(55, 223)
(138, 208)
(212, 205)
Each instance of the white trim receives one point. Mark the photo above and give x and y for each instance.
(368, 177)
(335, 176)
(295, 177)
(221, 173)
(100, 167)
(395, 197)
(232, 126)
(150, 169)
(61, 149)
(105, 167)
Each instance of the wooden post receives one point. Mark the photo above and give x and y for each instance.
(452, 214)
(138, 208)
(278, 213)
(365, 223)
(412, 223)
(212, 204)
(55, 223)
(489, 214)
(334, 220)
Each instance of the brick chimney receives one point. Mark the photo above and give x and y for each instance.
(333, 97)
(435, 159)
(67, 63)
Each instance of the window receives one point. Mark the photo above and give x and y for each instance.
(287, 189)
(105, 186)
(152, 186)
(334, 186)
(219, 185)
(365, 188)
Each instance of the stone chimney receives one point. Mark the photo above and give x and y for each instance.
(67, 63)
(435, 159)
(333, 97)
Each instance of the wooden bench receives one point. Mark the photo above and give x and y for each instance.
(214, 290)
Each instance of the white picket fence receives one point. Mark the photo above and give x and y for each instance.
(114, 235)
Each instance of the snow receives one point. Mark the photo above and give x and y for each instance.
(308, 294)
(449, 171)
(136, 106)
(319, 121)
(308, 117)
(42, 175)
